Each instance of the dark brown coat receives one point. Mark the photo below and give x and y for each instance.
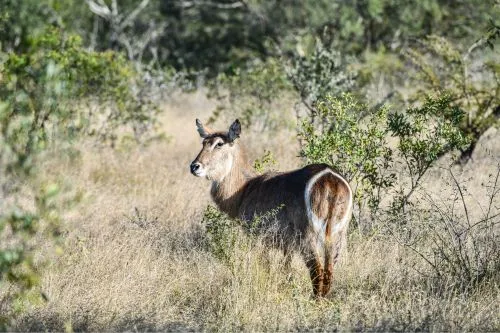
(314, 203)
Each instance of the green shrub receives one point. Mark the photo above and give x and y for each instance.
(249, 95)
(227, 238)
(425, 133)
(453, 250)
(265, 163)
(471, 82)
(322, 72)
(222, 233)
(54, 90)
(357, 146)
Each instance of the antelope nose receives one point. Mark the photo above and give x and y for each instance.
(194, 167)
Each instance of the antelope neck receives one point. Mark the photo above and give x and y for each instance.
(227, 193)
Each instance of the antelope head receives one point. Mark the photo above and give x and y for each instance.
(218, 151)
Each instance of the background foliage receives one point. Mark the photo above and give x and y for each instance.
(381, 89)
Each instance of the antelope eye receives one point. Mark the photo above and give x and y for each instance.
(220, 144)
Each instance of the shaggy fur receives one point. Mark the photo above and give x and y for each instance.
(315, 202)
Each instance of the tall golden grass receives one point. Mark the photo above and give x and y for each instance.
(135, 255)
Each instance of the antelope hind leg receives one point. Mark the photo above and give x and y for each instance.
(313, 263)
(332, 252)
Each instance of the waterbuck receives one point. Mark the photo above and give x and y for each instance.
(315, 201)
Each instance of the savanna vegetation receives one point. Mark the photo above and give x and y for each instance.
(103, 228)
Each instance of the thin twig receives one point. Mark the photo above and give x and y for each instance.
(131, 17)
(234, 5)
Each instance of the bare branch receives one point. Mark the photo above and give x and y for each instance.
(95, 31)
(494, 191)
(234, 5)
(114, 7)
(123, 39)
(462, 198)
(102, 3)
(99, 10)
(131, 17)
(149, 36)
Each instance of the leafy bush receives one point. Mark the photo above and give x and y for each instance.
(249, 95)
(222, 233)
(54, 90)
(357, 146)
(321, 73)
(455, 250)
(425, 133)
(22, 20)
(265, 163)
(38, 87)
(227, 237)
(472, 84)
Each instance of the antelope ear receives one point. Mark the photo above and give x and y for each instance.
(234, 131)
(204, 132)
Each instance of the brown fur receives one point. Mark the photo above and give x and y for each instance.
(241, 194)
(328, 202)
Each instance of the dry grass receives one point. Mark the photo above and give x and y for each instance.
(135, 255)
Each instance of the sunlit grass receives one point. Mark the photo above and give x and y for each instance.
(136, 256)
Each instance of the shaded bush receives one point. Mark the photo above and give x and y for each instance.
(425, 133)
(357, 146)
(354, 146)
(53, 91)
(248, 94)
(322, 72)
(472, 84)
